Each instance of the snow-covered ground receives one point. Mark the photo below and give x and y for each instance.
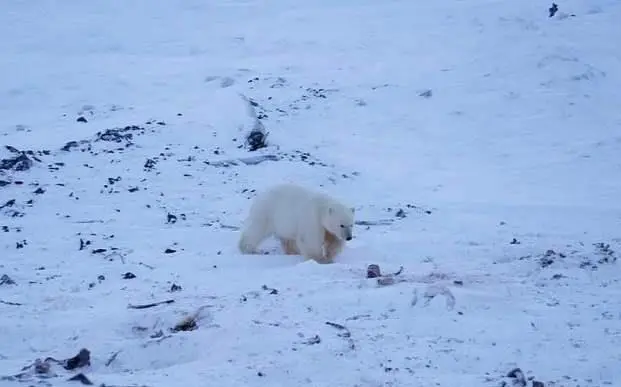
(480, 139)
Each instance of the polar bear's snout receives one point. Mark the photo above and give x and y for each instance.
(347, 232)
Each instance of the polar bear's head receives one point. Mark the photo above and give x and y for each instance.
(339, 221)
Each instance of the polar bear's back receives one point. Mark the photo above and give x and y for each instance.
(284, 207)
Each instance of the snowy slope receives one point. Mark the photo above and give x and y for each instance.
(480, 140)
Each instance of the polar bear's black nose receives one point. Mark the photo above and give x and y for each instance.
(348, 238)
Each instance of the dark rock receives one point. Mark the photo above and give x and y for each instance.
(17, 163)
(129, 275)
(552, 10)
(6, 280)
(313, 340)
(154, 335)
(545, 262)
(15, 214)
(269, 290)
(80, 378)
(256, 140)
(514, 373)
(84, 243)
(9, 203)
(175, 288)
(607, 255)
(118, 134)
(549, 257)
(82, 359)
(39, 191)
(149, 164)
(317, 93)
(170, 251)
(112, 180)
(518, 376)
(71, 144)
(373, 271)
(187, 324)
(426, 93)
(81, 119)
(42, 368)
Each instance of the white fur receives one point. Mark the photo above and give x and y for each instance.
(306, 222)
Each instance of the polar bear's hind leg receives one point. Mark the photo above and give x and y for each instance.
(251, 238)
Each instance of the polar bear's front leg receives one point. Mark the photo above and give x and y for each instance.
(289, 246)
(316, 254)
(333, 246)
(310, 245)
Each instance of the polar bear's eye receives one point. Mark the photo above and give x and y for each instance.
(342, 226)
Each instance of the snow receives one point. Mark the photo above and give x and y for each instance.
(519, 139)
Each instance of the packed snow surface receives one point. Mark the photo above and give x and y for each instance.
(479, 141)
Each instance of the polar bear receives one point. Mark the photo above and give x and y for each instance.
(308, 223)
